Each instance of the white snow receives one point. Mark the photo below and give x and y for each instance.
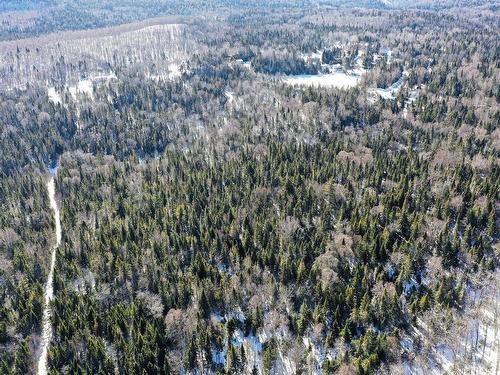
(386, 51)
(219, 357)
(391, 92)
(83, 86)
(157, 77)
(53, 169)
(471, 346)
(245, 64)
(221, 267)
(238, 315)
(317, 352)
(410, 285)
(54, 96)
(412, 98)
(175, 71)
(406, 343)
(391, 271)
(446, 356)
(312, 56)
(336, 79)
(49, 287)
(389, 57)
(80, 284)
(252, 345)
(229, 96)
(284, 365)
(174, 28)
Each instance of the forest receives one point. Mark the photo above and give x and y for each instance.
(263, 188)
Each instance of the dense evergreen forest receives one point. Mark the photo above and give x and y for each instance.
(222, 215)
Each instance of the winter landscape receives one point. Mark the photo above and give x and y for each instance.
(249, 187)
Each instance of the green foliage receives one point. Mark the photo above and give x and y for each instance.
(309, 211)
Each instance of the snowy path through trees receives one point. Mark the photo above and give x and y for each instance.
(49, 287)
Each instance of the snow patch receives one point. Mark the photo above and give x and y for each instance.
(410, 285)
(411, 99)
(54, 96)
(83, 86)
(391, 92)
(174, 71)
(312, 56)
(230, 96)
(245, 64)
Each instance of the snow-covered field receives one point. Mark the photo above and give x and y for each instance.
(174, 71)
(336, 79)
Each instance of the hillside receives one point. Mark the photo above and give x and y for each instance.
(250, 188)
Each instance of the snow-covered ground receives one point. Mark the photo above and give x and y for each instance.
(251, 343)
(82, 87)
(54, 96)
(391, 92)
(173, 71)
(388, 52)
(253, 346)
(229, 96)
(317, 353)
(411, 99)
(49, 287)
(471, 345)
(312, 56)
(245, 64)
(175, 29)
(336, 79)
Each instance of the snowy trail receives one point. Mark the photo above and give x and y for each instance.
(49, 287)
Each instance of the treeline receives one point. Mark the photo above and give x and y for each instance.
(284, 64)
(25, 238)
